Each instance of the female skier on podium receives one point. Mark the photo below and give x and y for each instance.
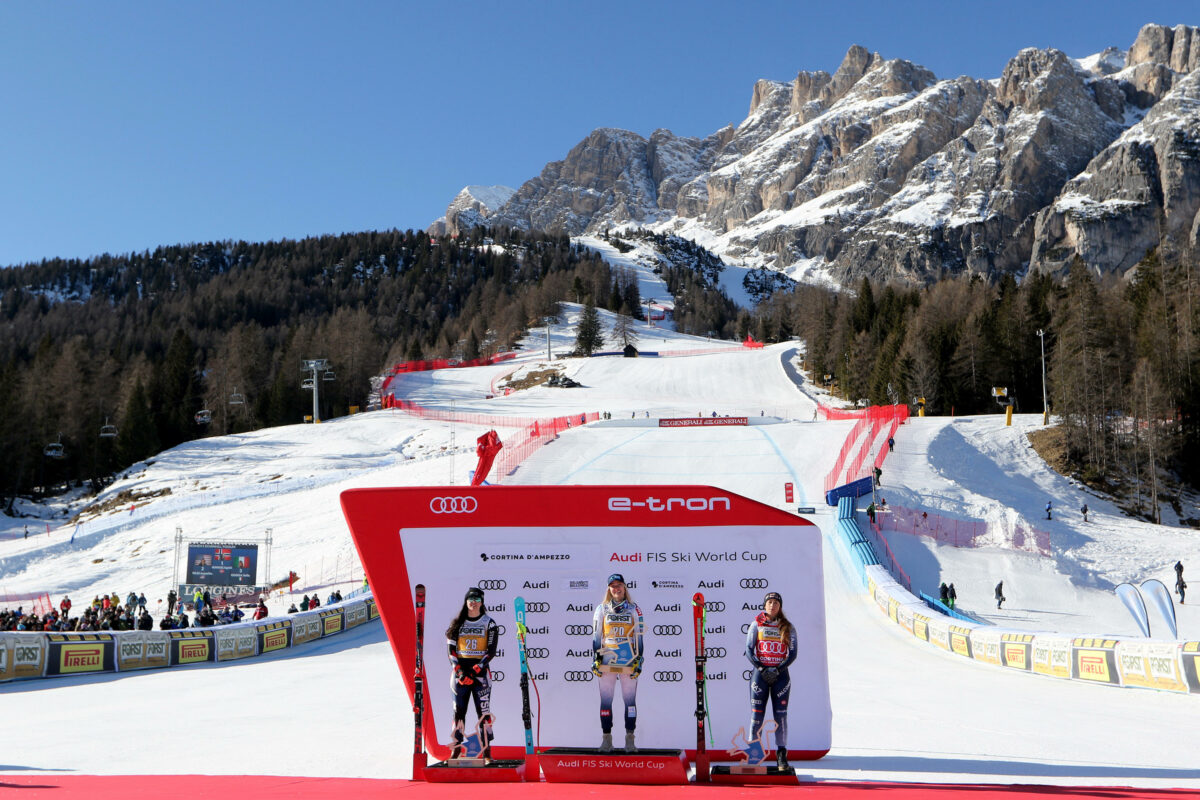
(771, 646)
(471, 639)
(617, 628)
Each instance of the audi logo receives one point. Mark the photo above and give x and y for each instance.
(578, 676)
(714, 652)
(537, 652)
(753, 583)
(668, 677)
(453, 505)
(745, 627)
(668, 630)
(714, 605)
(537, 608)
(497, 675)
(490, 586)
(577, 630)
(747, 674)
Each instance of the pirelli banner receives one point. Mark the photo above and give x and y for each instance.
(192, 646)
(1189, 657)
(78, 653)
(1016, 651)
(273, 636)
(236, 641)
(143, 650)
(332, 621)
(372, 609)
(1094, 660)
(22, 655)
(356, 614)
(1151, 665)
(960, 640)
(306, 627)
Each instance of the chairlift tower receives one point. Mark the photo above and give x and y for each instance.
(317, 367)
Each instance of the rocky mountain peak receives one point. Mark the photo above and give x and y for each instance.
(1177, 48)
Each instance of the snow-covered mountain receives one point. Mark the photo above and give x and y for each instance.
(883, 169)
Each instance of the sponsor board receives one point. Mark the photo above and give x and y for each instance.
(273, 635)
(235, 642)
(142, 650)
(1189, 657)
(542, 545)
(372, 609)
(356, 614)
(1015, 650)
(1052, 656)
(960, 640)
(306, 626)
(985, 646)
(1151, 665)
(331, 621)
(23, 654)
(1094, 660)
(701, 422)
(191, 647)
(939, 631)
(920, 626)
(904, 617)
(75, 653)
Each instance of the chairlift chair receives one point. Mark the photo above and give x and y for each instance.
(308, 383)
(203, 416)
(108, 431)
(237, 398)
(55, 449)
(328, 376)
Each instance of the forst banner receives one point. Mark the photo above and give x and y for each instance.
(222, 564)
(555, 546)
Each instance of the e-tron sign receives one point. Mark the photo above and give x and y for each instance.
(555, 546)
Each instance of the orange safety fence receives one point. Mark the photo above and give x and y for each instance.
(963, 532)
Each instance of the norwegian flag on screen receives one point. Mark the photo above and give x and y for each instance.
(223, 554)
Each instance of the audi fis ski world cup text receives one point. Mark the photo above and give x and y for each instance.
(695, 556)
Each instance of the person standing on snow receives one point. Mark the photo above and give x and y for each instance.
(952, 594)
(1083, 510)
(1181, 587)
(1047, 509)
(1000, 598)
(771, 646)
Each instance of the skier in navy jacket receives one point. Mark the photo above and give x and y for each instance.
(771, 646)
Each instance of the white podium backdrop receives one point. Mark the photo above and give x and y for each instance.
(561, 572)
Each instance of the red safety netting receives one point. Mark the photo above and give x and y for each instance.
(964, 532)
(442, 363)
(32, 602)
(852, 458)
(524, 443)
(883, 551)
(702, 351)
(443, 415)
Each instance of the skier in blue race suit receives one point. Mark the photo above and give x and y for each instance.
(617, 628)
(471, 639)
(771, 647)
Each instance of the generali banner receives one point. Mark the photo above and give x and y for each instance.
(701, 422)
(556, 546)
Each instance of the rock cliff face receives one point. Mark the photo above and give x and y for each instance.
(881, 169)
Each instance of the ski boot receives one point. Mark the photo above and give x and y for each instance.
(630, 745)
(781, 758)
(606, 743)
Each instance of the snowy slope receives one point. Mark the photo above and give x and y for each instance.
(901, 710)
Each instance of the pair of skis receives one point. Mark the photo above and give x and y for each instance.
(526, 712)
(701, 660)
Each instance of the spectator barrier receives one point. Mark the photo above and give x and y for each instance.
(43, 655)
(39, 602)
(1171, 666)
(964, 532)
(848, 467)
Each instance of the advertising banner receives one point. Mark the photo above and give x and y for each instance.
(1151, 665)
(191, 647)
(222, 564)
(1189, 656)
(985, 645)
(142, 650)
(920, 626)
(1052, 656)
(939, 631)
(701, 422)
(235, 641)
(1094, 660)
(306, 626)
(331, 621)
(555, 546)
(356, 614)
(22, 655)
(372, 608)
(1015, 650)
(76, 653)
(273, 636)
(960, 640)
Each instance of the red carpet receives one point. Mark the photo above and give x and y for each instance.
(275, 787)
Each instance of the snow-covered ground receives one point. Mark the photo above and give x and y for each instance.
(902, 710)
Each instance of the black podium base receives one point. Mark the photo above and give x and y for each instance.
(759, 775)
(588, 765)
(473, 770)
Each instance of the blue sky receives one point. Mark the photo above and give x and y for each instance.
(133, 124)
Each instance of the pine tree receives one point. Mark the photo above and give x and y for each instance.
(588, 338)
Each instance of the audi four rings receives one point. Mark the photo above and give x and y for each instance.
(453, 505)
(714, 605)
(578, 630)
(668, 676)
(537, 652)
(492, 586)
(578, 676)
(714, 652)
(537, 608)
(753, 583)
(668, 630)
(497, 675)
